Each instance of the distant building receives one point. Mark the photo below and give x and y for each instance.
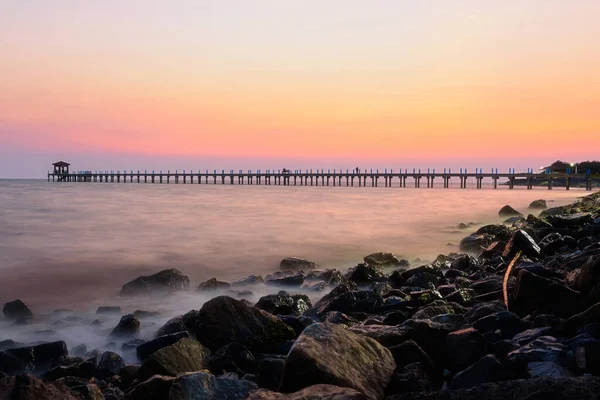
(61, 167)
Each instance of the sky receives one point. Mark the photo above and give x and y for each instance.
(229, 84)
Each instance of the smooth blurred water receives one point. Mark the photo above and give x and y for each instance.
(75, 244)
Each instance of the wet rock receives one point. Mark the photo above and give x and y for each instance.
(248, 281)
(232, 357)
(315, 392)
(542, 320)
(331, 277)
(327, 353)
(202, 385)
(507, 323)
(395, 318)
(538, 205)
(174, 325)
(588, 280)
(84, 370)
(111, 362)
(364, 273)
(521, 241)
(465, 347)
(27, 387)
(475, 243)
(10, 344)
(346, 300)
(296, 264)
(570, 221)
(336, 317)
(283, 303)
(223, 320)
(411, 378)
(530, 335)
(461, 296)
(295, 280)
(544, 348)
(382, 259)
(543, 295)
(17, 310)
(487, 369)
(465, 263)
(107, 310)
(166, 280)
(146, 349)
(88, 392)
(297, 323)
(423, 280)
(436, 308)
(588, 316)
(409, 352)
(212, 284)
(156, 387)
(508, 211)
(316, 286)
(427, 268)
(112, 393)
(37, 358)
(270, 373)
(555, 243)
(187, 355)
(127, 326)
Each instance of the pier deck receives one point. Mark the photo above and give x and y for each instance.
(386, 178)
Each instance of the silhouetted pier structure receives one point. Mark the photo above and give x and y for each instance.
(321, 177)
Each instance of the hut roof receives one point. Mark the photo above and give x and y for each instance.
(61, 164)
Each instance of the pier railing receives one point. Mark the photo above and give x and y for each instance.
(335, 177)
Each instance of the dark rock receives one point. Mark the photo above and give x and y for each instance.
(409, 352)
(588, 280)
(17, 310)
(316, 286)
(327, 353)
(187, 355)
(154, 388)
(487, 369)
(464, 347)
(538, 205)
(27, 387)
(411, 378)
(84, 370)
(202, 385)
(37, 358)
(88, 392)
(436, 308)
(108, 310)
(364, 273)
(475, 243)
(396, 318)
(454, 273)
(112, 393)
(270, 373)
(285, 304)
(212, 284)
(141, 314)
(336, 317)
(507, 323)
(542, 320)
(521, 241)
(174, 325)
(250, 280)
(570, 221)
(10, 344)
(315, 392)
(461, 296)
(508, 211)
(346, 300)
(331, 277)
(146, 349)
(382, 259)
(465, 263)
(428, 268)
(490, 284)
(590, 315)
(111, 362)
(296, 264)
(127, 326)
(530, 335)
(555, 243)
(232, 357)
(296, 280)
(131, 345)
(423, 280)
(297, 323)
(166, 280)
(535, 293)
(223, 320)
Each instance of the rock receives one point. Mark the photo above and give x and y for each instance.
(84, 370)
(588, 280)
(409, 352)
(464, 347)
(363, 274)
(250, 280)
(590, 315)
(436, 308)
(316, 286)
(88, 392)
(27, 387)
(141, 314)
(113, 393)
(475, 243)
(297, 323)
(223, 320)
(127, 326)
(461, 296)
(331, 277)
(431, 269)
(146, 349)
(296, 280)
(155, 388)
(187, 355)
(507, 323)
(487, 369)
(315, 392)
(521, 241)
(270, 373)
(570, 221)
(166, 280)
(465, 262)
(108, 310)
(212, 284)
(508, 211)
(336, 317)
(202, 385)
(174, 325)
(283, 303)
(538, 205)
(381, 259)
(10, 344)
(346, 300)
(543, 295)
(111, 362)
(17, 310)
(423, 280)
(232, 357)
(327, 353)
(296, 264)
(411, 378)
(545, 348)
(37, 358)
(530, 335)
(555, 243)
(395, 318)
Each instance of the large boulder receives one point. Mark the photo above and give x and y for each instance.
(364, 273)
(166, 280)
(382, 259)
(476, 242)
(315, 392)
(347, 300)
(39, 358)
(508, 211)
(127, 326)
(223, 320)
(521, 241)
(283, 303)
(150, 347)
(202, 385)
(27, 387)
(327, 353)
(212, 284)
(539, 204)
(187, 355)
(111, 362)
(233, 357)
(17, 310)
(296, 264)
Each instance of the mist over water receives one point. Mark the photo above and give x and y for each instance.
(73, 245)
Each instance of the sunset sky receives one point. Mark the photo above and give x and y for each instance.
(134, 84)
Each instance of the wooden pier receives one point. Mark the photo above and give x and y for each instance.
(349, 178)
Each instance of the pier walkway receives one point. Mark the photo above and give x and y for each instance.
(360, 178)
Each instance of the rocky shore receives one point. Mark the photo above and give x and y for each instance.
(515, 315)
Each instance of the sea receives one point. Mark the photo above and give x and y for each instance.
(73, 245)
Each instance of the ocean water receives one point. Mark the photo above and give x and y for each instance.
(73, 245)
